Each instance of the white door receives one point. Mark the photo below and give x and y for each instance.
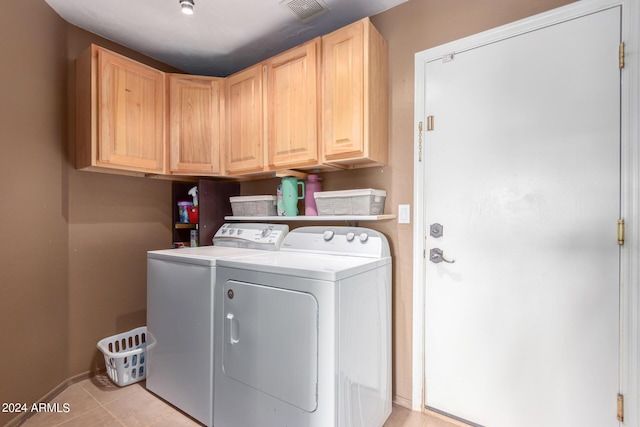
(522, 169)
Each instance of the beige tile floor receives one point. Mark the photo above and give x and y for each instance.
(98, 402)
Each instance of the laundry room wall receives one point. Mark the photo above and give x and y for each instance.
(113, 221)
(73, 256)
(34, 250)
(410, 28)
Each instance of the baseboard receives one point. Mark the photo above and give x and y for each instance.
(443, 417)
(402, 401)
(22, 418)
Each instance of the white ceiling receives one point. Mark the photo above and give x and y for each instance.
(220, 38)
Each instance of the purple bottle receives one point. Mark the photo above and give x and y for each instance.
(312, 186)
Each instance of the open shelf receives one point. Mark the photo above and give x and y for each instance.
(189, 225)
(301, 218)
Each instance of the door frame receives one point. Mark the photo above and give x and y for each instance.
(630, 189)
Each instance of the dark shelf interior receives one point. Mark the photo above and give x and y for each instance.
(213, 206)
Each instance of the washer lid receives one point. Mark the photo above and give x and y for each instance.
(205, 255)
(306, 265)
(231, 240)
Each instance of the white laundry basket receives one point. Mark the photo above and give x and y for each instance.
(126, 355)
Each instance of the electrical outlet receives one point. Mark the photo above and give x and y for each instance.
(404, 214)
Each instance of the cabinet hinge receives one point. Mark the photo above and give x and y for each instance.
(621, 231)
(621, 54)
(620, 407)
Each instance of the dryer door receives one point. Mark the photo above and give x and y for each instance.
(271, 341)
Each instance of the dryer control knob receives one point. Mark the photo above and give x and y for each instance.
(364, 237)
(350, 236)
(328, 235)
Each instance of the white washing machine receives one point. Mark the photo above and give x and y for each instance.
(180, 284)
(303, 335)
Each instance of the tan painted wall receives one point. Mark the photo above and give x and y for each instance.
(113, 221)
(72, 263)
(34, 298)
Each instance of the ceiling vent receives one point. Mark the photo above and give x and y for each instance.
(306, 10)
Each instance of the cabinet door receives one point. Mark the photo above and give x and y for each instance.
(343, 65)
(130, 114)
(356, 96)
(292, 107)
(194, 125)
(245, 131)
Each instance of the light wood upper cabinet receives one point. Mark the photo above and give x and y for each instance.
(293, 105)
(195, 126)
(244, 136)
(321, 105)
(120, 106)
(355, 96)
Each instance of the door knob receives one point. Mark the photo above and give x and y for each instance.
(436, 256)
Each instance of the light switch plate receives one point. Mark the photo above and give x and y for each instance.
(404, 214)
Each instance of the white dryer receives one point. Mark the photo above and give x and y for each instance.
(180, 285)
(303, 335)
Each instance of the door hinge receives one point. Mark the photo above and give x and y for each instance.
(621, 231)
(620, 407)
(430, 123)
(621, 54)
(420, 141)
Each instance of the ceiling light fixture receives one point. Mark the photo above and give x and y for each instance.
(187, 6)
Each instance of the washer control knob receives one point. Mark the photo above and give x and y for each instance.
(224, 231)
(328, 235)
(364, 237)
(239, 231)
(231, 231)
(266, 232)
(350, 236)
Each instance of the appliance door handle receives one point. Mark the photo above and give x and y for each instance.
(233, 328)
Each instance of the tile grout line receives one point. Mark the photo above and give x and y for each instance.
(103, 406)
(79, 415)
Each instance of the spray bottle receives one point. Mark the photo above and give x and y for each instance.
(193, 215)
(194, 193)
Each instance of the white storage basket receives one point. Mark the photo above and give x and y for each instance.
(253, 205)
(367, 201)
(126, 355)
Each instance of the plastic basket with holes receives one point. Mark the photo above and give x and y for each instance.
(126, 355)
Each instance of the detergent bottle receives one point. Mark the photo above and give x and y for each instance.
(313, 186)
